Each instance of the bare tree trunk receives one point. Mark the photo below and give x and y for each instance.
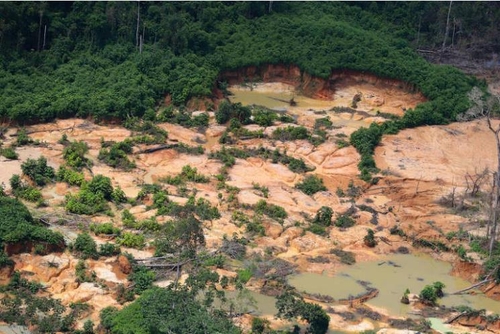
(141, 40)
(44, 37)
(496, 188)
(138, 23)
(453, 34)
(39, 30)
(270, 6)
(418, 33)
(447, 26)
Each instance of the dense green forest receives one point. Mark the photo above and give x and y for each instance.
(112, 60)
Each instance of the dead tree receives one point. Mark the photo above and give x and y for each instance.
(447, 26)
(138, 23)
(474, 182)
(495, 189)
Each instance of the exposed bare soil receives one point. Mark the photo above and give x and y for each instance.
(421, 165)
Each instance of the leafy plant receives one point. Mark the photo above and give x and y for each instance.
(311, 185)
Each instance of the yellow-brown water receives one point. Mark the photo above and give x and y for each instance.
(392, 275)
(271, 99)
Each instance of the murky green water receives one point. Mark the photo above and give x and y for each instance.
(392, 276)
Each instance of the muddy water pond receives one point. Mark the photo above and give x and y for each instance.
(277, 100)
(392, 275)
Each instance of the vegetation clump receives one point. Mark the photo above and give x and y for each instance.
(188, 174)
(38, 171)
(17, 225)
(116, 155)
(74, 154)
(311, 185)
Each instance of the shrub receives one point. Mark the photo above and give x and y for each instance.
(264, 117)
(128, 219)
(104, 228)
(142, 278)
(9, 153)
(38, 171)
(290, 133)
(243, 275)
(23, 138)
(131, 240)
(85, 247)
(118, 196)
(109, 249)
(86, 202)
(369, 238)
(430, 293)
(260, 326)
(271, 210)
(101, 185)
(15, 182)
(188, 174)
(81, 273)
(344, 221)
(317, 229)
(227, 111)
(311, 185)
(74, 154)
(298, 166)
(324, 216)
(17, 225)
(116, 155)
(69, 176)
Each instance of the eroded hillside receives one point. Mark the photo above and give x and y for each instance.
(269, 184)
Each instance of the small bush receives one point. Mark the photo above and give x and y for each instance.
(109, 249)
(271, 210)
(86, 202)
(243, 275)
(317, 229)
(118, 196)
(311, 185)
(38, 171)
(142, 278)
(345, 221)
(85, 246)
(69, 176)
(324, 216)
(104, 228)
(23, 138)
(9, 153)
(116, 155)
(290, 133)
(369, 239)
(131, 240)
(74, 154)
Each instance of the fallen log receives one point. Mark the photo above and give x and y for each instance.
(472, 287)
(157, 148)
(449, 321)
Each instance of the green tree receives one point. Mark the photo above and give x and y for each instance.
(291, 305)
(38, 171)
(166, 310)
(85, 246)
(181, 237)
(101, 185)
